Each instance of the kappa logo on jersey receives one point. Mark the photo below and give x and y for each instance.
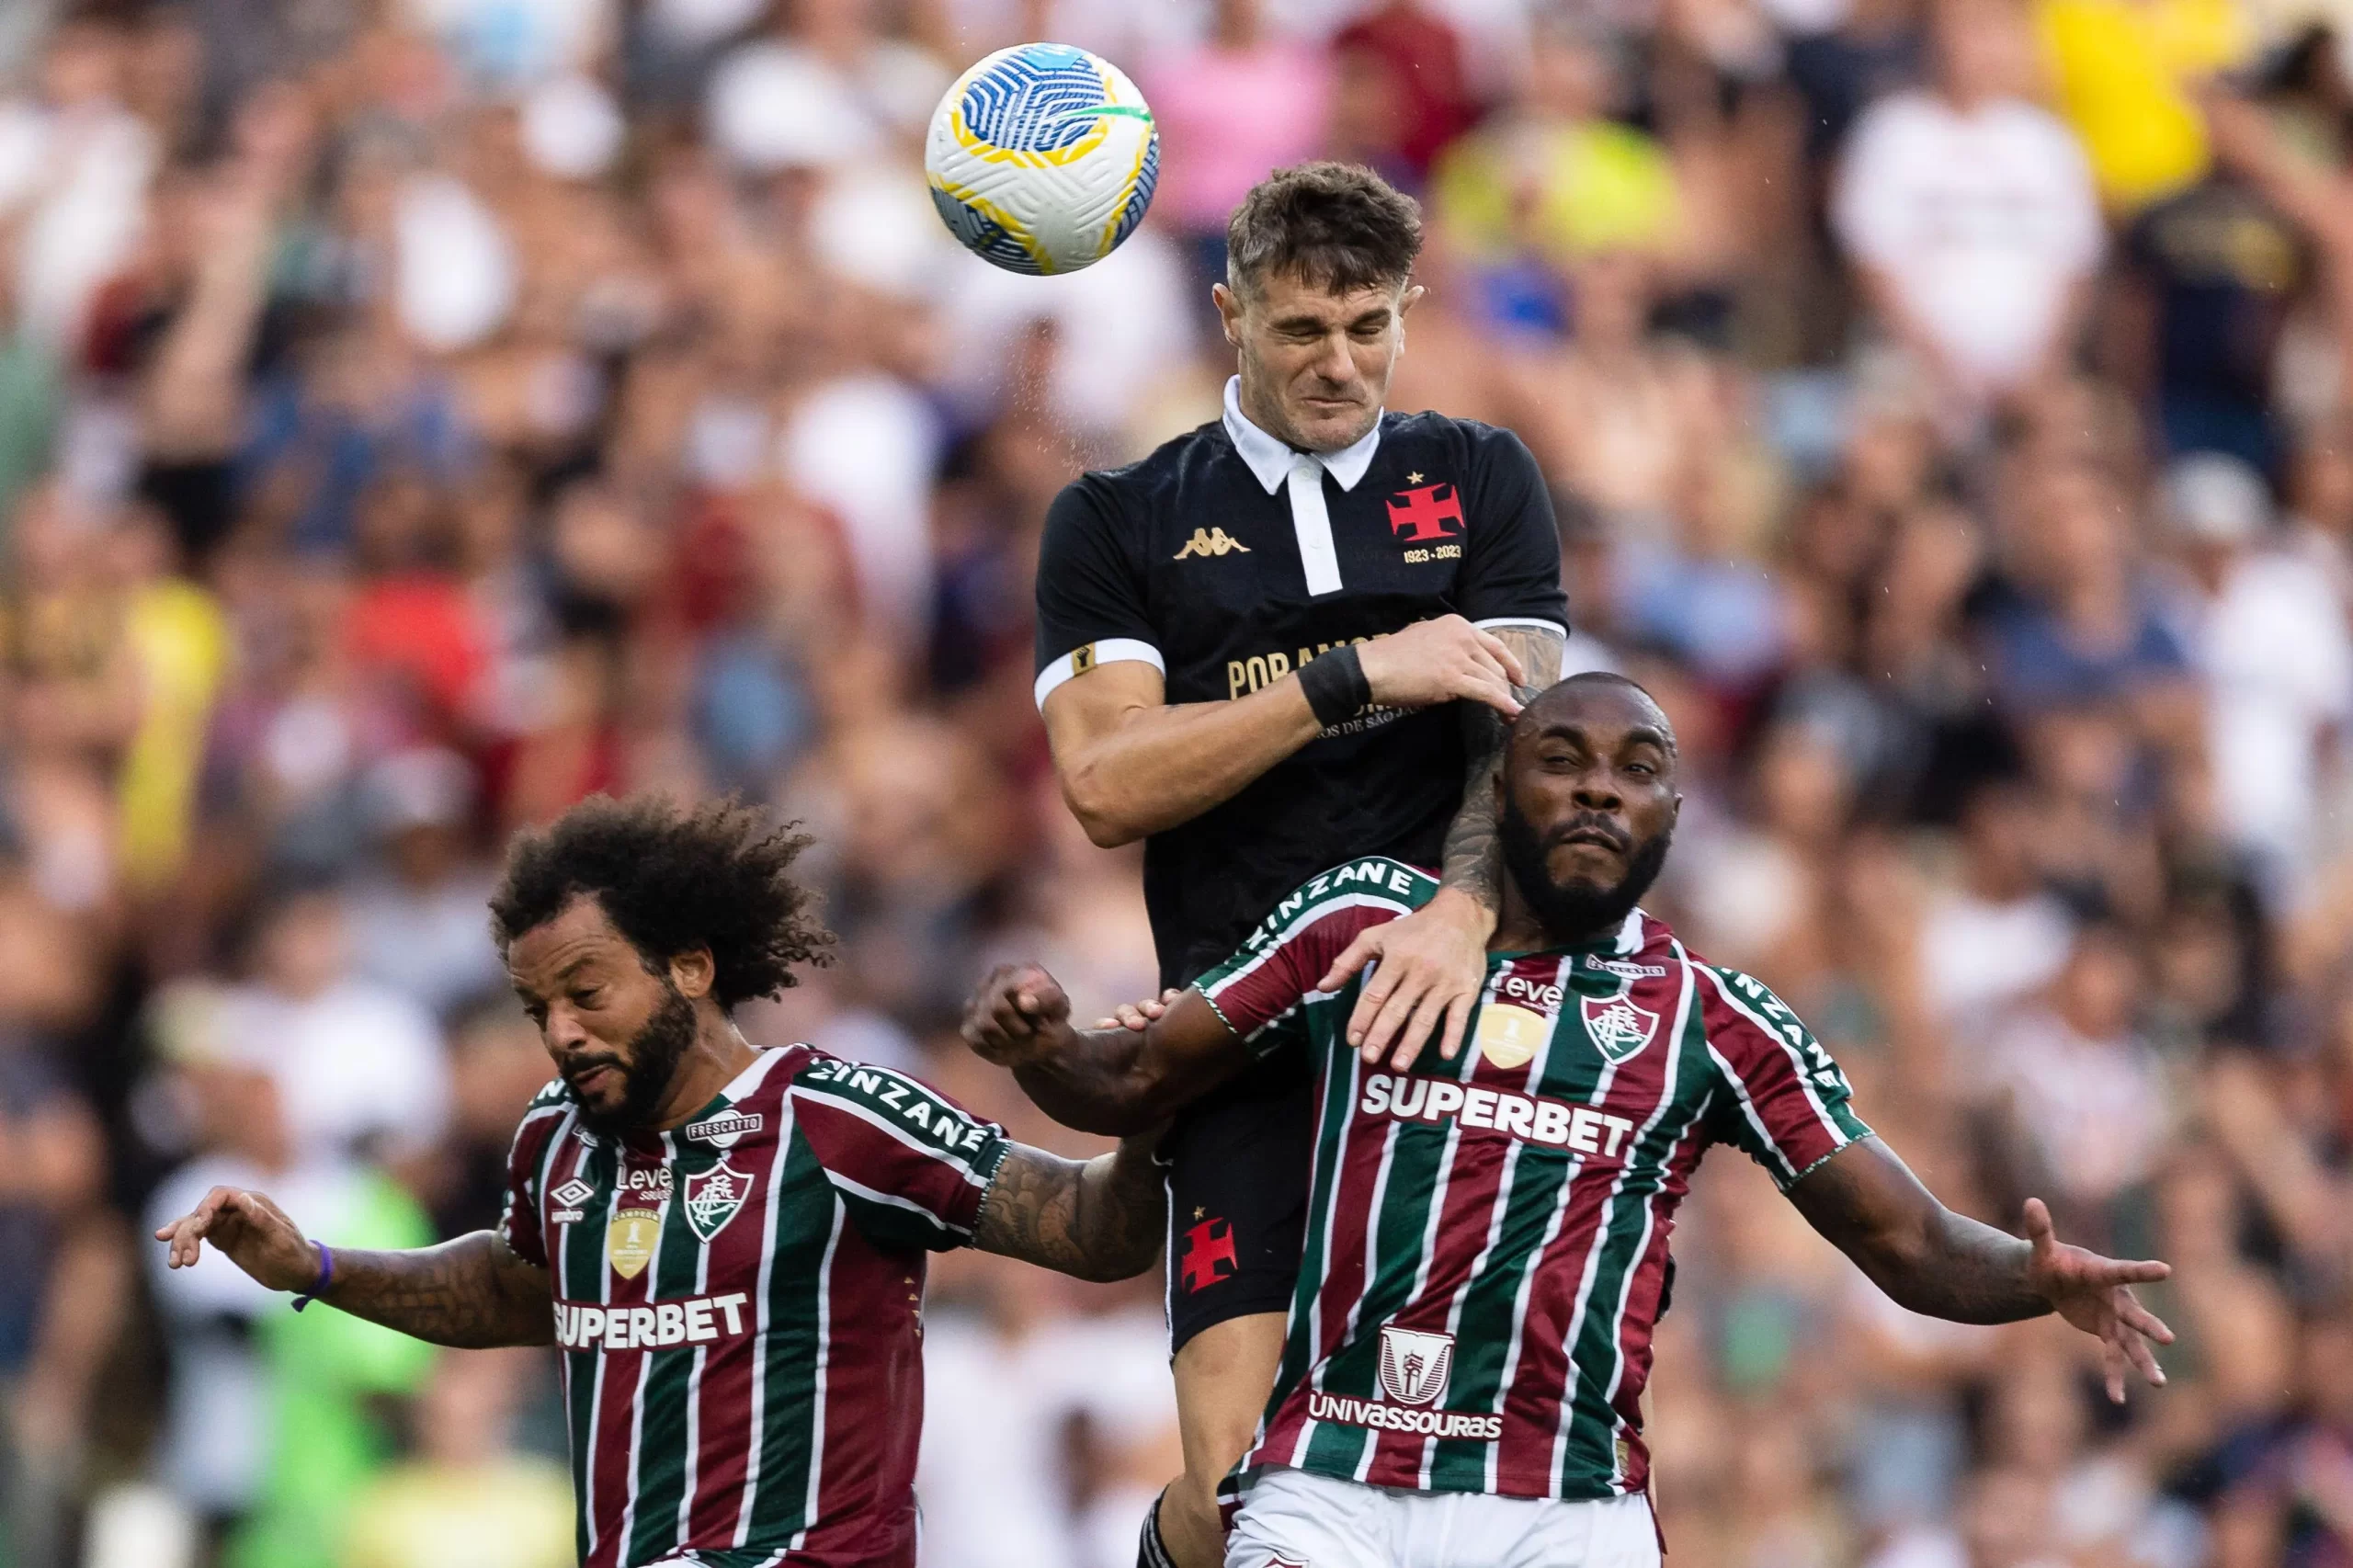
(726, 1129)
(1415, 1364)
(1420, 515)
(1211, 541)
(1619, 1029)
(1209, 1255)
(714, 1196)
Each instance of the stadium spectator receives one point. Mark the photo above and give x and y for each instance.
(1970, 216)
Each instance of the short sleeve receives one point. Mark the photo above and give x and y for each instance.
(1090, 591)
(1511, 569)
(909, 1165)
(1262, 984)
(526, 1165)
(1786, 1102)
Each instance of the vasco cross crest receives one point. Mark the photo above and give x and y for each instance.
(712, 1197)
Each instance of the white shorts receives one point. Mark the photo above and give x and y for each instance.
(1295, 1519)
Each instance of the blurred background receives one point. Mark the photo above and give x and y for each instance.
(416, 414)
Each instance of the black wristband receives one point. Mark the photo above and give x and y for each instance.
(1334, 684)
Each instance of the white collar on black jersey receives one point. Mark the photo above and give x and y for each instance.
(1270, 460)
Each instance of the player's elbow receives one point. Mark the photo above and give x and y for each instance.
(1102, 809)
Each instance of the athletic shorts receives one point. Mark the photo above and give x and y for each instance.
(1236, 1163)
(1295, 1519)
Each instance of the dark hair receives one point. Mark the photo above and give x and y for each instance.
(1333, 226)
(672, 880)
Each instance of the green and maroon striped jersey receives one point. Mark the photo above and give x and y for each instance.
(1487, 1237)
(737, 1307)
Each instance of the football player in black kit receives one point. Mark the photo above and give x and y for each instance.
(1291, 637)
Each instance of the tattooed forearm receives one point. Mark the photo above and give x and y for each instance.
(1098, 1219)
(1472, 860)
(1867, 1204)
(470, 1293)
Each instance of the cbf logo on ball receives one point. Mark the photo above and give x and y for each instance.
(1041, 158)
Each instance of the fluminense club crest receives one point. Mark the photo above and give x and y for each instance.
(712, 1197)
(1415, 1364)
(1619, 1029)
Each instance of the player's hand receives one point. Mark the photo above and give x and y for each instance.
(1439, 661)
(1018, 1014)
(250, 1232)
(2095, 1293)
(1137, 1016)
(1432, 964)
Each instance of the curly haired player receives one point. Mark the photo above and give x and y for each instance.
(726, 1242)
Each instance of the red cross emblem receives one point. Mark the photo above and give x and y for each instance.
(1420, 515)
(1209, 1255)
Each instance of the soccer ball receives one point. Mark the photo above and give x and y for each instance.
(1041, 158)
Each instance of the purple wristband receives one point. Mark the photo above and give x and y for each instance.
(319, 1286)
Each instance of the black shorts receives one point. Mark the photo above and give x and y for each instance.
(1237, 1164)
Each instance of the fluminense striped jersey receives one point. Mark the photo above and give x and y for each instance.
(1487, 1237)
(737, 1307)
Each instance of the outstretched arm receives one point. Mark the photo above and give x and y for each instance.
(1114, 1081)
(471, 1294)
(1099, 1219)
(1868, 1203)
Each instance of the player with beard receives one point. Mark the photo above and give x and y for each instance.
(1469, 1335)
(726, 1242)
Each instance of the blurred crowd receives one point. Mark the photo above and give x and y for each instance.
(417, 415)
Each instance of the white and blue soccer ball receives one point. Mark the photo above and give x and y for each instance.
(1042, 158)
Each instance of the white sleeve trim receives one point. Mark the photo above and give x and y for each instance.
(1078, 661)
(1511, 620)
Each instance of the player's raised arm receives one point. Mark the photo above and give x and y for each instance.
(470, 1293)
(1868, 1203)
(1116, 1081)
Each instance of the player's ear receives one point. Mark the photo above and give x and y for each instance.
(692, 972)
(1229, 312)
(1409, 298)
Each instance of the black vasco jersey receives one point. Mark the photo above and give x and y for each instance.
(1226, 560)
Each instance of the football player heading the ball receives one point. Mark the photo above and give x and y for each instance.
(726, 1242)
(1487, 1235)
(1284, 639)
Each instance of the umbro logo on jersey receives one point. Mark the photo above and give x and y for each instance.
(1211, 541)
(725, 1128)
(573, 1194)
(1619, 1029)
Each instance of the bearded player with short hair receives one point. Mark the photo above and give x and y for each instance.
(1470, 1333)
(726, 1243)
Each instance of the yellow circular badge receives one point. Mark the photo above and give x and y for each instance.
(1509, 1037)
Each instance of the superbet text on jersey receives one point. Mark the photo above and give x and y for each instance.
(738, 1305)
(1487, 1237)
